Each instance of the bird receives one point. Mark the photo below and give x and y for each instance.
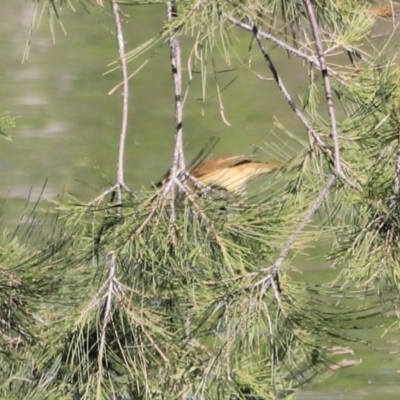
(230, 173)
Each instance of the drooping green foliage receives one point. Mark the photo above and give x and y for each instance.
(144, 306)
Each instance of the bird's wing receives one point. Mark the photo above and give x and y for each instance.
(235, 178)
(213, 164)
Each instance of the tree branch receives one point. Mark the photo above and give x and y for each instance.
(273, 39)
(273, 270)
(286, 93)
(176, 67)
(120, 185)
(328, 94)
(125, 97)
(178, 165)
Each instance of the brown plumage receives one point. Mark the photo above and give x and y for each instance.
(229, 173)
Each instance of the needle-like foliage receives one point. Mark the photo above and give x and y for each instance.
(146, 307)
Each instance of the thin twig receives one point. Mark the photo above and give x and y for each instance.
(139, 230)
(101, 196)
(107, 313)
(286, 93)
(120, 185)
(125, 97)
(158, 202)
(349, 49)
(273, 39)
(328, 94)
(273, 270)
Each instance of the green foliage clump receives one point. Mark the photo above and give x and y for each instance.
(151, 299)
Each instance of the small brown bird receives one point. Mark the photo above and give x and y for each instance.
(229, 173)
